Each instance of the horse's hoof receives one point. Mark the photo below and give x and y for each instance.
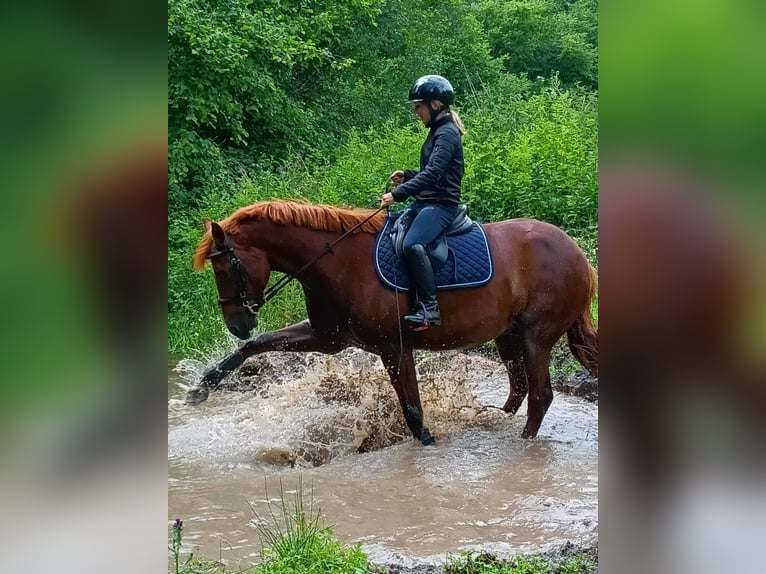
(196, 395)
(425, 438)
(212, 377)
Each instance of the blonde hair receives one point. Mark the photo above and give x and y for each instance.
(444, 109)
(458, 122)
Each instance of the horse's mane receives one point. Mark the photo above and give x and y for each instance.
(318, 217)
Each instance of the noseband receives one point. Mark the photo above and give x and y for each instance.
(240, 277)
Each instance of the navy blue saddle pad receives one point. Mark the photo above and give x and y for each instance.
(469, 263)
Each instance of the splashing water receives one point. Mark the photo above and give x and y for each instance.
(308, 409)
(481, 488)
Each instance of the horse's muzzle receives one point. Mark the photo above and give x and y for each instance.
(243, 327)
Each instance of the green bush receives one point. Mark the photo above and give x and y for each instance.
(534, 156)
(312, 551)
(252, 85)
(542, 37)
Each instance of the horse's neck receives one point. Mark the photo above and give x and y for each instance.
(290, 248)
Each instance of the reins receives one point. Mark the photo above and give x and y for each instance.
(272, 291)
(242, 279)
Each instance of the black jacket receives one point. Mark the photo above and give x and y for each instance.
(441, 167)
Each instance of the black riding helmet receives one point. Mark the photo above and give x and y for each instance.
(430, 88)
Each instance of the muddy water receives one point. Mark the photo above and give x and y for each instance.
(305, 418)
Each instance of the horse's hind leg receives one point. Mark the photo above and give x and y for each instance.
(510, 347)
(537, 358)
(401, 368)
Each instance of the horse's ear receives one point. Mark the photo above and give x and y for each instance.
(206, 224)
(219, 237)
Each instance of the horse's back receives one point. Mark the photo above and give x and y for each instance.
(534, 236)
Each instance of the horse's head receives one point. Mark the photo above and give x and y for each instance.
(241, 275)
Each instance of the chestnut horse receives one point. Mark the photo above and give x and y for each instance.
(542, 288)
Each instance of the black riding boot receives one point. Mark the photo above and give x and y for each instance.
(422, 276)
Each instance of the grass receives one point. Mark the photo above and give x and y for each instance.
(583, 563)
(296, 541)
(467, 563)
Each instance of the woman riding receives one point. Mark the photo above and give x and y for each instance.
(436, 189)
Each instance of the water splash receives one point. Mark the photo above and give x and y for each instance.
(482, 487)
(308, 409)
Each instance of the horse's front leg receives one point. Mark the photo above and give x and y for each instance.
(401, 368)
(300, 337)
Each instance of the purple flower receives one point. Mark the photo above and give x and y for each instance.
(178, 524)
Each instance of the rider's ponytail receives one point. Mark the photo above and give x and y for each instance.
(458, 122)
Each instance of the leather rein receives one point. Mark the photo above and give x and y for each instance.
(241, 277)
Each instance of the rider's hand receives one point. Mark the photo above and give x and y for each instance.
(386, 200)
(397, 177)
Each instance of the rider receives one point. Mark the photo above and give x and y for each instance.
(436, 189)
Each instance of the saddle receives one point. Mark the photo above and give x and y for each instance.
(460, 256)
(438, 250)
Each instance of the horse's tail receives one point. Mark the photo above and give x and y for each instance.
(583, 336)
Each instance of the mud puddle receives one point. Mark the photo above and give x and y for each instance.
(333, 423)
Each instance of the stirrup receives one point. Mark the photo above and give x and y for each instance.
(422, 327)
(419, 321)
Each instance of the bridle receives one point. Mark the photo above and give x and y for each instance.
(240, 274)
(240, 277)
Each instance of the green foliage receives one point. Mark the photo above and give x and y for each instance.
(253, 84)
(408, 40)
(294, 540)
(580, 564)
(534, 156)
(468, 563)
(540, 37)
(230, 66)
(313, 551)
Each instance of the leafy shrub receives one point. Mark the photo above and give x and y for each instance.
(541, 37)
